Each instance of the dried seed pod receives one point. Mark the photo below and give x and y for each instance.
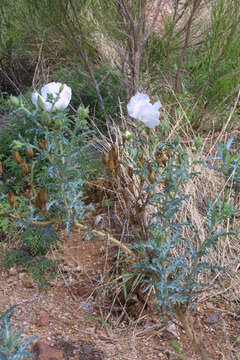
(125, 195)
(164, 161)
(11, 199)
(30, 153)
(130, 172)
(17, 157)
(131, 188)
(115, 172)
(112, 156)
(29, 193)
(150, 170)
(37, 203)
(24, 169)
(33, 202)
(158, 157)
(169, 152)
(42, 196)
(111, 163)
(115, 153)
(105, 159)
(151, 177)
(139, 209)
(132, 218)
(141, 159)
(141, 182)
(167, 182)
(42, 144)
(1, 168)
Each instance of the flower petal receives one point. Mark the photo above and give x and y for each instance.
(140, 108)
(55, 89)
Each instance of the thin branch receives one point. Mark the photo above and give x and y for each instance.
(157, 11)
(109, 237)
(182, 56)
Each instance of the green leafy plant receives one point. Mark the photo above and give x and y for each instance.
(177, 347)
(11, 346)
(38, 241)
(155, 173)
(5, 223)
(31, 255)
(53, 157)
(229, 163)
(43, 270)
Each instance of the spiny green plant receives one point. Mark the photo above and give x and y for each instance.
(156, 169)
(11, 345)
(229, 162)
(54, 156)
(176, 278)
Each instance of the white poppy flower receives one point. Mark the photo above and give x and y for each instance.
(49, 94)
(140, 108)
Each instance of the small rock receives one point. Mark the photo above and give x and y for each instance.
(85, 305)
(98, 219)
(44, 351)
(212, 319)
(172, 329)
(148, 324)
(43, 319)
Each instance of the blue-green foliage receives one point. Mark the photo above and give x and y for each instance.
(171, 262)
(11, 347)
(229, 162)
(60, 166)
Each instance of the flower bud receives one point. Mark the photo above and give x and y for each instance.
(14, 100)
(198, 143)
(58, 123)
(127, 135)
(176, 140)
(46, 119)
(61, 88)
(24, 169)
(82, 112)
(164, 128)
(40, 103)
(16, 144)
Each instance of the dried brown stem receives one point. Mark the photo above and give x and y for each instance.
(196, 5)
(185, 320)
(109, 237)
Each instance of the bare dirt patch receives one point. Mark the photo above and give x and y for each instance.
(77, 322)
